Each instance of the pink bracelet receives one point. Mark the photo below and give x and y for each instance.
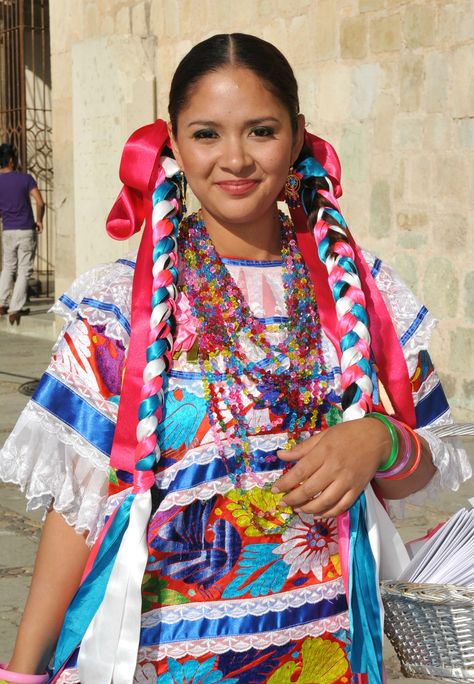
(18, 678)
(406, 456)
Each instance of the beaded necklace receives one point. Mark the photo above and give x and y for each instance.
(288, 376)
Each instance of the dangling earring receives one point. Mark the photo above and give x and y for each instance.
(292, 187)
(182, 192)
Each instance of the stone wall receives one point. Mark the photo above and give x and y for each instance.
(389, 82)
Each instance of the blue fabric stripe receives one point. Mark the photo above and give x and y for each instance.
(76, 412)
(196, 474)
(126, 262)
(272, 263)
(273, 319)
(376, 267)
(113, 308)
(185, 630)
(67, 301)
(414, 326)
(431, 407)
(190, 375)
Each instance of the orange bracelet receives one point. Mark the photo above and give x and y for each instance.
(416, 462)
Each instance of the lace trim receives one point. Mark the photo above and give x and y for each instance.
(243, 642)
(110, 283)
(54, 466)
(214, 610)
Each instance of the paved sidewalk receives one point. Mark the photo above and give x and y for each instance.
(22, 360)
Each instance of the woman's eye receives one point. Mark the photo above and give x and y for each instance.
(204, 134)
(262, 131)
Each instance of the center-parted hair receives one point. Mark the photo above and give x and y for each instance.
(239, 50)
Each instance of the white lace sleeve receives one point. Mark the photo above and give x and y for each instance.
(414, 326)
(58, 452)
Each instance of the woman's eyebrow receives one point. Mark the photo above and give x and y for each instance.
(250, 122)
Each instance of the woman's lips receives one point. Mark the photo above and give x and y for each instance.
(237, 187)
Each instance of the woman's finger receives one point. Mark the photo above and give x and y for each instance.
(300, 450)
(300, 472)
(329, 499)
(307, 490)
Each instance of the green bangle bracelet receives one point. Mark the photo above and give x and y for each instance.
(393, 437)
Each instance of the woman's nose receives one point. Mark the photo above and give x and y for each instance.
(235, 156)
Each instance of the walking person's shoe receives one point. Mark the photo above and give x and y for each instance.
(3, 310)
(15, 316)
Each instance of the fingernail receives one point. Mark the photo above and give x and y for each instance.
(297, 510)
(282, 504)
(275, 490)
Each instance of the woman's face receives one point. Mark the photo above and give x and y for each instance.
(235, 145)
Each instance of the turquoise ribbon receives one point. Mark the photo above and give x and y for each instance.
(365, 624)
(89, 596)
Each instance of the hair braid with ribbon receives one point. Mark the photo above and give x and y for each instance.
(335, 251)
(165, 222)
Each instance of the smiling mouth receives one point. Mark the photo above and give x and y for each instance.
(237, 187)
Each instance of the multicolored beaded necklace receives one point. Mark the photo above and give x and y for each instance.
(288, 377)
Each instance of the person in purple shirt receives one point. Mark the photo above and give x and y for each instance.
(19, 233)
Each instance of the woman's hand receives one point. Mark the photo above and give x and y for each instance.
(333, 467)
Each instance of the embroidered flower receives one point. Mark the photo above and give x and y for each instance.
(193, 672)
(257, 511)
(308, 543)
(186, 325)
(322, 661)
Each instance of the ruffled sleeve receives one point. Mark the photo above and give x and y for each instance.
(58, 452)
(414, 325)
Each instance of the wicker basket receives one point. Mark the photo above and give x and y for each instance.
(431, 627)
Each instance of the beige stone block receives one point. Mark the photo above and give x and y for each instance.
(469, 296)
(334, 92)
(384, 113)
(92, 24)
(419, 25)
(419, 174)
(411, 220)
(456, 22)
(463, 81)
(164, 18)
(354, 153)
(139, 19)
(465, 132)
(450, 175)
(437, 82)
(389, 75)
(300, 32)
(308, 91)
(385, 33)
(411, 82)
(66, 24)
(371, 5)
(462, 349)
(437, 131)
(451, 231)
(380, 209)
(122, 21)
(407, 267)
(325, 29)
(409, 133)
(364, 90)
(61, 76)
(276, 32)
(354, 37)
(441, 287)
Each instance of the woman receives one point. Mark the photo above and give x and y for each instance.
(238, 497)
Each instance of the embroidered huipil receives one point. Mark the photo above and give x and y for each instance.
(237, 589)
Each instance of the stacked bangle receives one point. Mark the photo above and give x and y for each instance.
(19, 678)
(389, 470)
(393, 437)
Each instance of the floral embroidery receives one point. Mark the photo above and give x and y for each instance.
(193, 672)
(323, 661)
(258, 512)
(259, 573)
(308, 542)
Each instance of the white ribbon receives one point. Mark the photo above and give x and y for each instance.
(109, 649)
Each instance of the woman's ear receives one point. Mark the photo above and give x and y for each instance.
(174, 146)
(298, 138)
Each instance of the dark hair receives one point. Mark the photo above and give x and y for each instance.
(237, 49)
(7, 152)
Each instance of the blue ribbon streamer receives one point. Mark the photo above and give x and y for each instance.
(90, 594)
(365, 625)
